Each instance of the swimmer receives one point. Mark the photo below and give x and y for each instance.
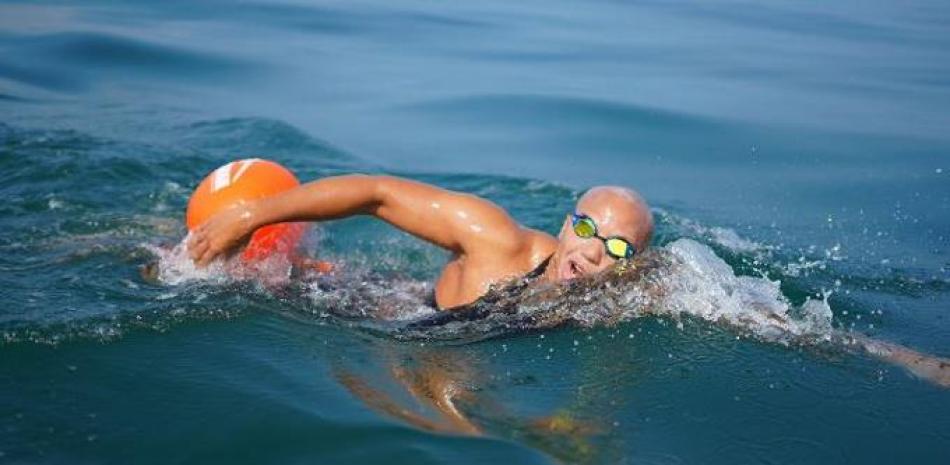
(608, 224)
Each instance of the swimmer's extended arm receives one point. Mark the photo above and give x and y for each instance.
(461, 223)
(929, 367)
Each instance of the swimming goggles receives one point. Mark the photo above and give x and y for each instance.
(616, 247)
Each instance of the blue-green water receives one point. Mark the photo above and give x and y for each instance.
(799, 145)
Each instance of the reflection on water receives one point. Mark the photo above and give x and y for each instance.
(451, 392)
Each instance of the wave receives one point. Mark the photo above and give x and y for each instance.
(596, 114)
(73, 60)
(681, 280)
(696, 281)
(55, 224)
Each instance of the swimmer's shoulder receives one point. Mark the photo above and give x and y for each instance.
(528, 250)
(539, 244)
(467, 278)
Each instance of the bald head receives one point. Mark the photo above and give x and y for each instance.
(623, 207)
(616, 212)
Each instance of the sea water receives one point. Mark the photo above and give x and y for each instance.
(795, 155)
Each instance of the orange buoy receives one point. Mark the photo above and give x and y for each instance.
(242, 181)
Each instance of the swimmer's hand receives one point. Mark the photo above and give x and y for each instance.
(222, 233)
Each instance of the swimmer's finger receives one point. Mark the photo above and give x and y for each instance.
(194, 245)
(202, 230)
(195, 238)
(210, 253)
(205, 258)
(199, 257)
(198, 250)
(191, 241)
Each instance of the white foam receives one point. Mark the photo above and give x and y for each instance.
(723, 237)
(363, 296)
(701, 284)
(175, 267)
(811, 259)
(693, 281)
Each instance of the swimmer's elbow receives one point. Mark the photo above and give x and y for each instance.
(400, 193)
(366, 192)
(383, 189)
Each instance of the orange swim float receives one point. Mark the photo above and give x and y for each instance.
(242, 181)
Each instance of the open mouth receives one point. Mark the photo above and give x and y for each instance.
(571, 270)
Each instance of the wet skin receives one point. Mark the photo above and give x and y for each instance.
(488, 246)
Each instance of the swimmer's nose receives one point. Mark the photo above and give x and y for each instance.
(592, 252)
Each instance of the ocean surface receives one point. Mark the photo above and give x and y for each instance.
(796, 156)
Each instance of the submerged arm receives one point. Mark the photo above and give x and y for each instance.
(932, 368)
(461, 223)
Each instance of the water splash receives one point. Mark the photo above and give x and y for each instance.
(682, 279)
(174, 267)
(724, 237)
(701, 284)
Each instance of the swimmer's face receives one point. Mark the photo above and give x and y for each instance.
(617, 212)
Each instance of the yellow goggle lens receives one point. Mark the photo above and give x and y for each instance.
(617, 247)
(585, 228)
